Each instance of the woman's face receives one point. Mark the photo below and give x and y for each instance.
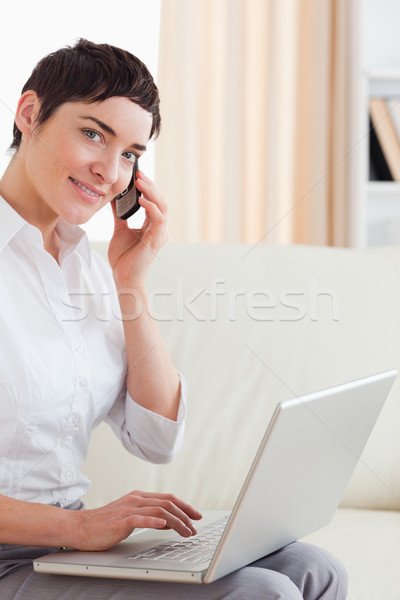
(83, 156)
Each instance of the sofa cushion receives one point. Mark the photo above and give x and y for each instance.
(249, 326)
(367, 542)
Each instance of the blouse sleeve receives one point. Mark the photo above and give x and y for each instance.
(146, 434)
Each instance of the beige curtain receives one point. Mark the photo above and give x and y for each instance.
(257, 142)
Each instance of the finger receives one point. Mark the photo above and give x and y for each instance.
(192, 512)
(149, 192)
(153, 211)
(146, 521)
(154, 234)
(143, 177)
(179, 509)
(146, 222)
(175, 517)
(186, 508)
(178, 515)
(171, 520)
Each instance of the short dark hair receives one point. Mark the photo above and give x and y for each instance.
(91, 72)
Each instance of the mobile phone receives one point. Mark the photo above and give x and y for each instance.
(127, 202)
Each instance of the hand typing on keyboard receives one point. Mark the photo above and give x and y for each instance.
(102, 528)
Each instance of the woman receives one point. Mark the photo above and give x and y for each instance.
(84, 117)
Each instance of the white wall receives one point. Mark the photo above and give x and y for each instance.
(381, 39)
(30, 30)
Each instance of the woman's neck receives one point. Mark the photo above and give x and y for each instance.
(17, 194)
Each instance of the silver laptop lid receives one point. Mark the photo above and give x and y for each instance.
(301, 470)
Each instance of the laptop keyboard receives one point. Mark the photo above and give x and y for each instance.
(198, 548)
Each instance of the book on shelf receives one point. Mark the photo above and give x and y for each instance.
(385, 139)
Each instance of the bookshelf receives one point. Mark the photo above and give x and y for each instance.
(384, 84)
(380, 79)
(382, 198)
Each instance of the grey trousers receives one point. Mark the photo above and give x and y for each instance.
(298, 571)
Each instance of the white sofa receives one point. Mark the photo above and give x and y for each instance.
(249, 326)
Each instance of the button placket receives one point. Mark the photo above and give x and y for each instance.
(79, 401)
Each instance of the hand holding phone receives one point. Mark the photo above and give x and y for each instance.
(127, 202)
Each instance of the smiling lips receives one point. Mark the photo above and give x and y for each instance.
(89, 193)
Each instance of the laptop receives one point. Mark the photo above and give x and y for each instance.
(294, 485)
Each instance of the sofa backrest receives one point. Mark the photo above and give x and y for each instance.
(249, 326)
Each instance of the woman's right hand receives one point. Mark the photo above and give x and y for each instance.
(102, 528)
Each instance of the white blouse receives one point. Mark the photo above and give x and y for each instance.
(63, 366)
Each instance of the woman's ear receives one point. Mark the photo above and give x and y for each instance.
(27, 112)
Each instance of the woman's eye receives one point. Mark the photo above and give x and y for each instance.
(130, 156)
(91, 134)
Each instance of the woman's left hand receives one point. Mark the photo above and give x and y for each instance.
(131, 251)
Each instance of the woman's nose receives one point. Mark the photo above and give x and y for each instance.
(107, 169)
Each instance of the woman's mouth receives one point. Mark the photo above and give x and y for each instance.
(89, 194)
